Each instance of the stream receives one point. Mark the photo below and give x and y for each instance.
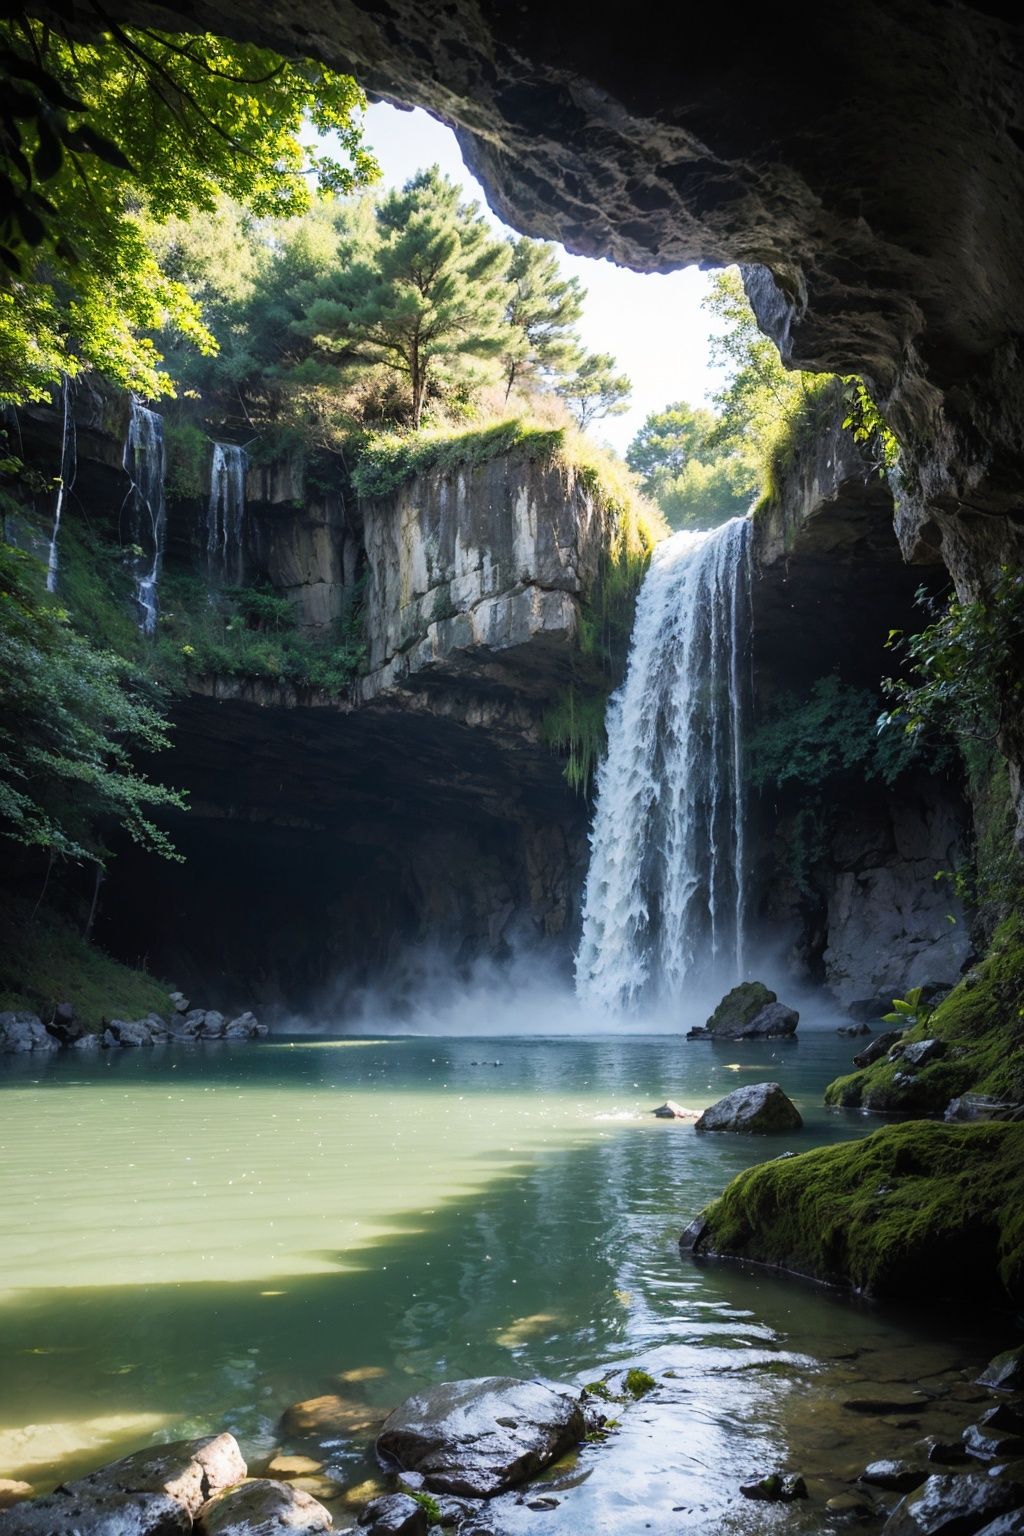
(195, 1237)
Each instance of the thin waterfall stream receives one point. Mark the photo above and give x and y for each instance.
(225, 513)
(144, 464)
(664, 906)
(65, 479)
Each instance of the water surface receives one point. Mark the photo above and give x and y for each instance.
(196, 1237)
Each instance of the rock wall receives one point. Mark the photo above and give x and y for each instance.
(864, 915)
(480, 573)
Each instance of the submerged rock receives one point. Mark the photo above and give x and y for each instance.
(482, 1436)
(757, 1108)
(21, 1032)
(749, 1012)
(854, 1029)
(330, 1416)
(262, 1507)
(954, 1505)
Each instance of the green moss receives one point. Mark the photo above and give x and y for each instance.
(94, 584)
(387, 460)
(188, 454)
(912, 1210)
(981, 1023)
(574, 727)
(250, 634)
(639, 1383)
(431, 1508)
(45, 961)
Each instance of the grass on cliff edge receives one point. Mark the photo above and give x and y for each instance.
(45, 961)
(981, 1023)
(916, 1210)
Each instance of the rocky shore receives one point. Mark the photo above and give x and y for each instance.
(471, 1456)
(23, 1032)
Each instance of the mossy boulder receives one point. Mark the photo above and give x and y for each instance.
(749, 1011)
(913, 1210)
(979, 1031)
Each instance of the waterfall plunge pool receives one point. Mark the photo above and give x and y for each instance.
(196, 1237)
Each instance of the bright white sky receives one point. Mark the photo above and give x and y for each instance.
(653, 326)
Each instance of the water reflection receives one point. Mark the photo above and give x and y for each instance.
(209, 1236)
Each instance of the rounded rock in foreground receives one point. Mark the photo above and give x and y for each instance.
(482, 1436)
(756, 1109)
(260, 1507)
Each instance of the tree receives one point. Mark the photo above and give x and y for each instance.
(696, 480)
(73, 716)
(543, 311)
(98, 137)
(427, 292)
(667, 442)
(595, 390)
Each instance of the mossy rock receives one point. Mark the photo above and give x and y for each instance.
(914, 1210)
(739, 1007)
(981, 1025)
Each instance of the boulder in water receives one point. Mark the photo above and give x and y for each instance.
(776, 1488)
(330, 1416)
(21, 1032)
(880, 1046)
(670, 1110)
(135, 1032)
(260, 1507)
(750, 1011)
(757, 1109)
(482, 1436)
(245, 1027)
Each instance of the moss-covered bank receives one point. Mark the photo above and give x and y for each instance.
(44, 960)
(914, 1210)
(981, 1027)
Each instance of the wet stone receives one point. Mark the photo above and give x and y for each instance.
(850, 1504)
(988, 1443)
(900, 1476)
(261, 1507)
(110, 1513)
(394, 1515)
(482, 1436)
(883, 1405)
(954, 1505)
(293, 1466)
(776, 1488)
(1005, 1525)
(329, 1417)
(1005, 1372)
(755, 1109)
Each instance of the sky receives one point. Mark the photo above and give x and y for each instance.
(652, 325)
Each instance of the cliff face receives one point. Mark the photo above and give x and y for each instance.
(478, 575)
(865, 914)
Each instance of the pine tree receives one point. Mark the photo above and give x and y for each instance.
(543, 311)
(428, 291)
(596, 390)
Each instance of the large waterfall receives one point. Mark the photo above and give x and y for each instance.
(144, 465)
(65, 478)
(664, 902)
(225, 513)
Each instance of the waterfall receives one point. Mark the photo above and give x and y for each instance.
(225, 514)
(143, 462)
(65, 477)
(664, 901)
